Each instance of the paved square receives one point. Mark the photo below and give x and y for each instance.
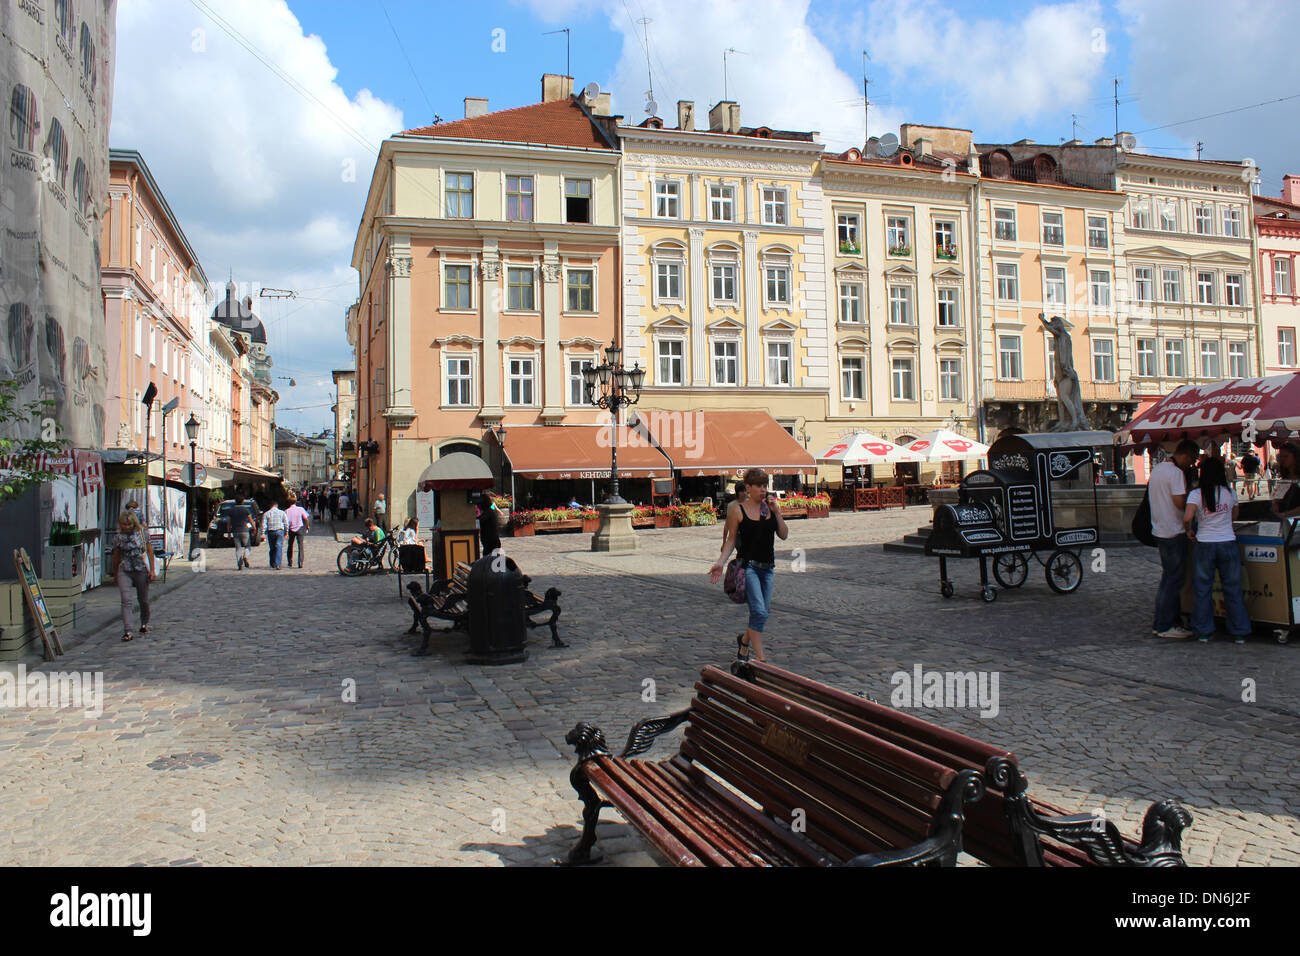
(229, 735)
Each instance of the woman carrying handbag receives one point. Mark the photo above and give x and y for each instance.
(753, 522)
(133, 569)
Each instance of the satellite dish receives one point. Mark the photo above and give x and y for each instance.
(1128, 141)
(888, 145)
(652, 108)
(873, 146)
(591, 90)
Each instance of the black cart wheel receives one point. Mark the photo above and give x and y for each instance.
(1011, 569)
(990, 595)
(945, 588)
(1064, 571)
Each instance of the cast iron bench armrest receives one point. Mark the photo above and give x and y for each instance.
(943, 844)
(646, 731)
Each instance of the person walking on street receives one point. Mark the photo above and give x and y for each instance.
(1167, 493)
(344, 504)
(752, 524)
(1213, 505)
(489, 535)
(241, 523)
(1250, 469)
(299, 523)
(133, 569)
(274, 526)
(381, 512)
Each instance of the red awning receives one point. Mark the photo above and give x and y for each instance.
(726, 443)
(580, 451)
(1270, 407)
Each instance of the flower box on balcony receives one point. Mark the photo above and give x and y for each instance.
(901, 251)
(850, 248)
(949, 253)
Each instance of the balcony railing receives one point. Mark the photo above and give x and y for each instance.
(1039, 390)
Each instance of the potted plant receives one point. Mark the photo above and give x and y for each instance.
(521, 524)
(557, 519)
(946, 252)
(793, 506)
(849, 247)
(663, 517)
(819, 506)
(901, 250)
(590, 519)
(643, 517)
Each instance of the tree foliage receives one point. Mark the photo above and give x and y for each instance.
(20, 458)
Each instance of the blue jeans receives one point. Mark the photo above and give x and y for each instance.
(1224, 557)
(1173, 570)
(758, 594)
(275, 546)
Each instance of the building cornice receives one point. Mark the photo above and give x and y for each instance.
(705, 143)
(492, 229)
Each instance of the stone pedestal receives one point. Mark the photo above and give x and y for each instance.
(615, 532)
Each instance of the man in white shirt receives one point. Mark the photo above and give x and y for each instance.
(1167, 491)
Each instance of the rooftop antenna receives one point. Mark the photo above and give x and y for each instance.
(725, 53)
(1074, 126)
(1199, 146)
(1117, 108)
(866, 103)
(565, 31)
(645, 44)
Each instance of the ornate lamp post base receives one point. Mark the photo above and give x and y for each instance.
(615, 533)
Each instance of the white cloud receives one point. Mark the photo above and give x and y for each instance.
(255, 170)
(1191, 58)
(1044, 61)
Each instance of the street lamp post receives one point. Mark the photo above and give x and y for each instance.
(611, 386)
(192, 433)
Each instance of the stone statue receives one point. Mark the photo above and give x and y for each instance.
(1069, 399)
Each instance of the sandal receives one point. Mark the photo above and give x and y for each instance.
(127, 636)
(742, 648)
(144, 628)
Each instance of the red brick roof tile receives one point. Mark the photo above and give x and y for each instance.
(558, 123)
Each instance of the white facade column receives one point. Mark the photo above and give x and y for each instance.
(490, 359)
(552, 359)
(698, 308)
(753, 288)
(398, 409)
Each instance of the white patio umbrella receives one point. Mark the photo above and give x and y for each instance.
(945, 445)
(864, 448)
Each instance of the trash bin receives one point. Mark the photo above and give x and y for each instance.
(497, 631)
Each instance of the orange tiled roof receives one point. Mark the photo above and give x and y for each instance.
(558, 123)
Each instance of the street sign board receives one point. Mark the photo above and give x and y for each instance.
(174, 474)
(199, 476)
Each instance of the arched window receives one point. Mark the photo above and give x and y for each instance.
(452, 447)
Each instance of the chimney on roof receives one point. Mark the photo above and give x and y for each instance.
(923, 146)
(1291, 188)
(725, 117)
(685, 114)
(1104, 141)
(1023, 142)
(556, 87)
(475, 106)
(1073, 142)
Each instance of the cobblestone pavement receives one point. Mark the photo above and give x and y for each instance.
(229, 734)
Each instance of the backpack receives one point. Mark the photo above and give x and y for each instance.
(1141, 526)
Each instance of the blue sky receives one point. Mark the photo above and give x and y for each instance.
(269, 185)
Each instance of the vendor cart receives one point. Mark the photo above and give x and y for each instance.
(1254, 410)
(1006, 512)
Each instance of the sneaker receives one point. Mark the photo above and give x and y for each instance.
(1175, 633)
(1204, 638)
(1239, 639)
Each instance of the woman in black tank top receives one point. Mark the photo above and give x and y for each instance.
(753, 522)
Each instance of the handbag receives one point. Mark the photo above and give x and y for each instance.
(1141, 526)
(733, 581)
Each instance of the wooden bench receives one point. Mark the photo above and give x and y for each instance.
(763, 780)
(1007, 827)
(448, 600)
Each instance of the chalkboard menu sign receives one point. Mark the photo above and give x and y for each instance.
(36, 602)
(1023, 505)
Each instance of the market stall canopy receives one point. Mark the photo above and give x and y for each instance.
(864, 448)
(1220, 409)
(945, 445)
(581, 451)
(725, 443)
(459, 470)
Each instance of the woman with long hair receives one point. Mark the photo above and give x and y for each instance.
(133, 569)
(1213, 505)
(752, 523)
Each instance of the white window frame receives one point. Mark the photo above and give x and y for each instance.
(1013, 371)
(1205, 288)
(680, 358)
(1203, 216)
(1007, 282)
(581, 359)
(1147, 353)
(905, 375)
(1234, 289)
(1149, 281)
(776, 206)
(783, 265)
(1098, 228)
(847, 377)
(590, 197)
(949, 375)
(153, 345)
(448, 378)
(1057, 228)
(595, 298)
(1165, 283)
(785, 361)
(1282, 270)
(728, 342)
(1099, 288)
(954, 306)
(661, 277)
(139, 246)
(1232, 222)
(904, 303)
(1103, 360)
(1004, 226)
(848, 232)
(1211, 359)
(1169, 206)
(530, 379)
(944, 227)
(139, 335)
(1141, 210)
(1058, 282)
(668, 195)
(459, 192)
(851, 299)
(721, 263)
(1170, 354)
(898, 235)
(530, 195)
(139, 411)
(722, 199)
(1286, 347)
(1238, 360)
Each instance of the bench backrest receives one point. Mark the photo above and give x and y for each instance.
(460, 577)
(987, 835)
(852, 791)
